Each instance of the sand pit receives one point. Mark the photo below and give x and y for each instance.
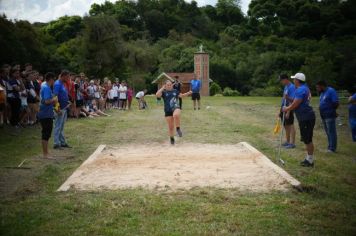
(184, 166)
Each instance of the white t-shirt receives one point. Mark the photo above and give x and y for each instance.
(140, 94)
(115, 91)
(123, 92)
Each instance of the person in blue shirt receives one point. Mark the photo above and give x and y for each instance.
(288, 96)
(61, 92)
(352, 112)
(305, 116)
(46, 114)
(329, 102)
(171, 107)
(195, 86)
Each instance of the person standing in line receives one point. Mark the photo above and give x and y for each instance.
(46, 114)
(288, 96)
(352, 112)
(61, 92)
(177, 86)
(329, 102)
(13, 96)
(305, 116)
(195, 86)
(122, 96)
(129, 97)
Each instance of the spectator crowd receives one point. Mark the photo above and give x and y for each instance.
(27, 97)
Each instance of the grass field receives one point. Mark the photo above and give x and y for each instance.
(30, 205)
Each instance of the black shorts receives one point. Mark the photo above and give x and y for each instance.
(115, 99)
(306, 130)
(167, 114)
(290, 120)
(79, 103)
(123, 100)
(47, 126)
(196, 96)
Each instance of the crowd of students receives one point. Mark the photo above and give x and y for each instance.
(27, 98)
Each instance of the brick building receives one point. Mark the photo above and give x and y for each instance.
(201, 71)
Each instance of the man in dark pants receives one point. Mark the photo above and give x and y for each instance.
(305, 116)
(177, 86)
(46, 114)
(329, 102)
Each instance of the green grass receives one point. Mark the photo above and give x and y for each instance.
(30, 205)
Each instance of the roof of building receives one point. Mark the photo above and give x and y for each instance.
(182, 77)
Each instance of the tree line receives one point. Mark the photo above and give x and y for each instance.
(136, 40)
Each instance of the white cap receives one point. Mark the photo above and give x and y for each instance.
(299, 76)
(92, 81)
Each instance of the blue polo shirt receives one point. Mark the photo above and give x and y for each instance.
(304, 111)
(328, 100)
(62, 93)
(352, 108)
(196, 85)
(46, 110)
(289, 90)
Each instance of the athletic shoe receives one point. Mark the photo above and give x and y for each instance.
(290, 146)
(57, 146)
(66, 145)
(179, 133)
(285, 144)
(172, 141)
(330, 151)
(306, 163)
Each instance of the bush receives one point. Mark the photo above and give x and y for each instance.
(228, 92)
(269, 91)
(215, 89)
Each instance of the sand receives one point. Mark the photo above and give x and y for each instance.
(184, 166)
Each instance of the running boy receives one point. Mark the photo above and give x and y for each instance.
(171, 107)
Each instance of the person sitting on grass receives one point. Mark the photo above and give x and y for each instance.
(171, 107)
(46, 114)
(305, 116)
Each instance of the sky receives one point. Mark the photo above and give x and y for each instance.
(47, 10)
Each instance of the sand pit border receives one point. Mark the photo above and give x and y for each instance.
(66, 185)
(295, 183)
(291, 180)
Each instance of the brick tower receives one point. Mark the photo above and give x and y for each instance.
(201, 70)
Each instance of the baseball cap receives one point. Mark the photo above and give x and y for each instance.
(299, 76)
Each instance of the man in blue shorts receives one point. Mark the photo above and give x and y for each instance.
(329, 102)
(305, 116)
(195, 86)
